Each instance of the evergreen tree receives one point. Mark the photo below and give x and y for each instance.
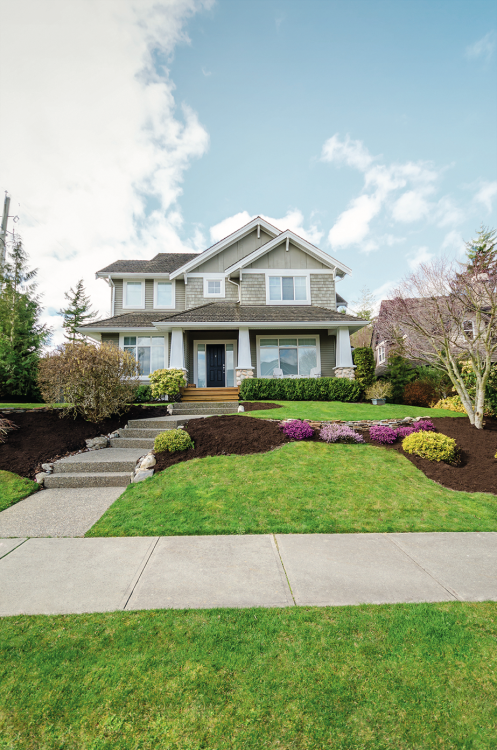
(77, 313)
(482, 250)
(22, 335)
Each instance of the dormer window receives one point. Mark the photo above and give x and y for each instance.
(164, 295)
(287, 290)
(214, 287)
(134, 295)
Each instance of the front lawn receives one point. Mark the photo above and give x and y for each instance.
(14, 488)
(301, 488)
(391, 677)
(323, 410)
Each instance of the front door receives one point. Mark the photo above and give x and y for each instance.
(215, 366)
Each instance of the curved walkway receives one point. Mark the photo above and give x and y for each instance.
(73, 575)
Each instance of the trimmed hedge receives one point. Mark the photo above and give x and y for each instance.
(365, 365)
(302, 389)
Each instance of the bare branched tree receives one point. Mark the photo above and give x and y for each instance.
(445, 313)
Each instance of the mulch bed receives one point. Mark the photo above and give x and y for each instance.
(259, 406)
(43, 436)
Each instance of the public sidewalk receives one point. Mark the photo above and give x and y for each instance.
(62, 576)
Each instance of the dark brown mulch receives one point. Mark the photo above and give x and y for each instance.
(259, 406)
(477, 471)
(221, 436)
(44, 436)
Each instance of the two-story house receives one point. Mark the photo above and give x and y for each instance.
(259, 303)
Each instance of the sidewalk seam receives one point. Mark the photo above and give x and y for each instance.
(448, 590)
(14, 548)
(134, 582)
(284, 569)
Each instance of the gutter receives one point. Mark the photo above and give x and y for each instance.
(239, 290)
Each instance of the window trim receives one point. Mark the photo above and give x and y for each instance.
(292, 273)
(206, 286)
(156, 294)
(466, 332)
(125, 294)
(288, 336)
(144, 334)
(381, 345)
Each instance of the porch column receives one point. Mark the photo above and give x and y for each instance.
(177, 357)
(244, 369)
(344, 366)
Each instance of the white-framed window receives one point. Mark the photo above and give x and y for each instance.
(213, 287)
(149, 351)
(134, 295)
(296, 356)
(287, 290)
(381, 353)
(164, 294)
(468, 328)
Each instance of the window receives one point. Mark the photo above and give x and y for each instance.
(468, 328)
(287, 289)
(213, 287)
(147, 350)
(133, 294)
(381, 354)
(164, 294)
(294, 356)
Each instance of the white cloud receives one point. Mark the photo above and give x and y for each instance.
(206, 72)
(411, 206)
(93, 136)
(352, 225)
(419, 256)
(486, 194)
(483, 48)
(229, 225)
(293, 220)
(352, 153)
(453, 241)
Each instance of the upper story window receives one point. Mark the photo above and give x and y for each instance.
(288, 289)
(164, 294)
(381, 354)
(213, 287)
(468, 328)
(134, 294)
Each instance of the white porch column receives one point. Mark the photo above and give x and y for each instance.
(177, 357)
(344, 366)
(244, 369)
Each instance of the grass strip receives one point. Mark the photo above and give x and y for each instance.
(376, 677)
(14, 488)
(324, 410)
(300, 488)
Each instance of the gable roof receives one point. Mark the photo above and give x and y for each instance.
(161, 263)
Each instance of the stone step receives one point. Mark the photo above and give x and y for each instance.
(105, 460)
(191, 407)
(162, 423)
(145, 443)
(137, 433)
(85, 479)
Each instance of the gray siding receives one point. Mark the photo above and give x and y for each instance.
(149, 296)
(328, 354)
(293, 259)
(118, 297)
(194, 294)
(180, 295)
(253, 288)
(110, 338)
(233, 253)
(323, 291)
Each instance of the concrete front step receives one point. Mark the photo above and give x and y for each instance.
(145, 443)
(131, 434)
(105, 460)
(84, 479)
(197, 407)
(161, 424)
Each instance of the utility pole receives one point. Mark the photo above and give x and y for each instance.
(3, 234)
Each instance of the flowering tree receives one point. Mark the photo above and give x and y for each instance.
(445, 314)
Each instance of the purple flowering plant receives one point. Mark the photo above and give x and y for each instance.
(383, 434)
(297, 429)
(339, 433)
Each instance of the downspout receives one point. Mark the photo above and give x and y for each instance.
(239, 290)
(112, 295)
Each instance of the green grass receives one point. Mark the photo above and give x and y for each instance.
(391, 677)
(323, 410)
(28, 406)
(300, 488)
(14, 488)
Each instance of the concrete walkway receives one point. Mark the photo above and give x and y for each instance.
(59, 576)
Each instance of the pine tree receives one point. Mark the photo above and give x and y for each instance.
(22, 335)
(77, 313)
(482, 250)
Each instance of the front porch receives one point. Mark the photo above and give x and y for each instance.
(209, 395)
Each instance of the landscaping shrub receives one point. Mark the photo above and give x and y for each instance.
(403, 432)
(300, 389)
(167, 382)
(339, 433)
(143, 395)
(380, 389)
(365, 366)
(383, 434)
(95, 381)
(297, 429)
(424, 425)
(172, 441)
(433, 446)
(452, 403)
(400, 373)
(5, 427)
(420, 393)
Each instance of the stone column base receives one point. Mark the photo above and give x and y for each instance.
(345, 372)
(243, 374)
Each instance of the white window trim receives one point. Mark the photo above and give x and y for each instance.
(472, 328)
(213, 341)
(156, 287)
(125, 285)
(289, 272)
(213, 277)
(143, 334)
(288, 336)
(381, 345)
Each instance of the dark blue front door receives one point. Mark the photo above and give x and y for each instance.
(215, 366)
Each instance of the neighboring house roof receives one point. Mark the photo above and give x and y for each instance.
(227, 312)
(161, 263)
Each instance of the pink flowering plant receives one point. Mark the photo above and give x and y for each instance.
(386, 435)
(339, 433)
(297, 429)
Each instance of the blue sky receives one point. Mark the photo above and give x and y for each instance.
(367, 126)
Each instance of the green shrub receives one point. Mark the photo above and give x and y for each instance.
(365, 366)
(431, 445)
(167, 382)
(380, 389)
(300, 389)
(143, 395)
(172, 441)
(400, 373)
